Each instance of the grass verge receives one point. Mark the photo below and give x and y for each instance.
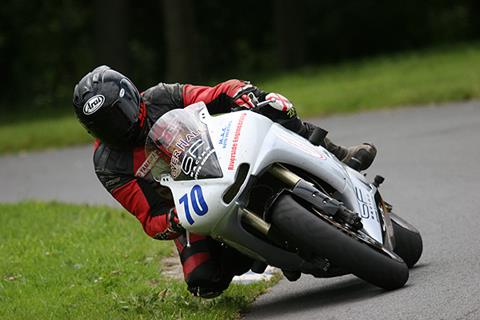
(43, 133)
(75, 262)
(431, 76)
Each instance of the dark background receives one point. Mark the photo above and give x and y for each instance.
(47, 46)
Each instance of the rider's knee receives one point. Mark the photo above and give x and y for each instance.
(206, 280)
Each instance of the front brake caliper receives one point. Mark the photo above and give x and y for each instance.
(327, 204)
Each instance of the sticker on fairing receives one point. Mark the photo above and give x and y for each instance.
(366, 204)
(236, 138)
(222, 141)
(194, 200)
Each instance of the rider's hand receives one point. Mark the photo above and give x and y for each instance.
(280, 110)
(280, 103)
(174, 222)
(276, 107)
(173, 228)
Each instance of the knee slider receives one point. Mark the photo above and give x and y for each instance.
(206, 281)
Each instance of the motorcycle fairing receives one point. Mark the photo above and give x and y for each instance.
(247, 137)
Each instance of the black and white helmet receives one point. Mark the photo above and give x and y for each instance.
(110, 107)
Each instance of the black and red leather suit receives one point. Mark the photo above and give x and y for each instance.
(206, 264)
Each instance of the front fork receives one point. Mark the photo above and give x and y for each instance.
(307, 192)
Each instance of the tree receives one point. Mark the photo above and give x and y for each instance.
(290, 26)
(111, 33)
(182, 56)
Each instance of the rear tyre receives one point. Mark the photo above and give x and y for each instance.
(408, 241)
(310, 232)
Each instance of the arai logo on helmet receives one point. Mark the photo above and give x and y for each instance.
(93, 104)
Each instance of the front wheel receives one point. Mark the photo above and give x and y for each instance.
(339, 245)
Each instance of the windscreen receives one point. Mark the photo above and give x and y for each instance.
(179, 144)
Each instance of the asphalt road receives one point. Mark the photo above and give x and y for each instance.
(429, 157)
(63, 175)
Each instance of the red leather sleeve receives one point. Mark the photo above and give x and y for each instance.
(192, 94)
(132, 198)
(218, 98)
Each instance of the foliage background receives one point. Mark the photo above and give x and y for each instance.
(47, 46)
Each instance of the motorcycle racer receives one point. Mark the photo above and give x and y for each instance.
(111, 108)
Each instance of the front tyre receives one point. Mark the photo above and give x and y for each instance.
(309, 232)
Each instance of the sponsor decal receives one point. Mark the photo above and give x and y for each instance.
(175, 163)
(236, 137)
(224, 135)
(176, 166)
(147, 165)
(192, 158)
(365, 201)
(93, 104)
(182, 145)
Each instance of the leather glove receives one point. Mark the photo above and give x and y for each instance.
(280, 110)
(280, 103)
(174, 228)
(174, 222)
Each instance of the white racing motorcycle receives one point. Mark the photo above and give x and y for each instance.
(278, 198)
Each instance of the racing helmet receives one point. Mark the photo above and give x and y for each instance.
(110, 107)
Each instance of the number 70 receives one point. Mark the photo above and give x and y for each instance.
(198, 203)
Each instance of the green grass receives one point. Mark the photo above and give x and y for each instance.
(63, 261)
(434, 76)
(431, 76)
(41, 133)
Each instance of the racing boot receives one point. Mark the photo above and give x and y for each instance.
(356, 157)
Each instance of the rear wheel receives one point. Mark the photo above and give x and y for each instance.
(408, 241)
(343, 247)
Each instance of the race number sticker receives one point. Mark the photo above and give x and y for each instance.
(367, 206)
(196, 201)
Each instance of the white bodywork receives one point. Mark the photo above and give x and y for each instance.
(247, 137)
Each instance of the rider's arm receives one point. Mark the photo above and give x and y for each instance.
(237, 94)
(136, 195)
(224, 97)
(153, 212)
